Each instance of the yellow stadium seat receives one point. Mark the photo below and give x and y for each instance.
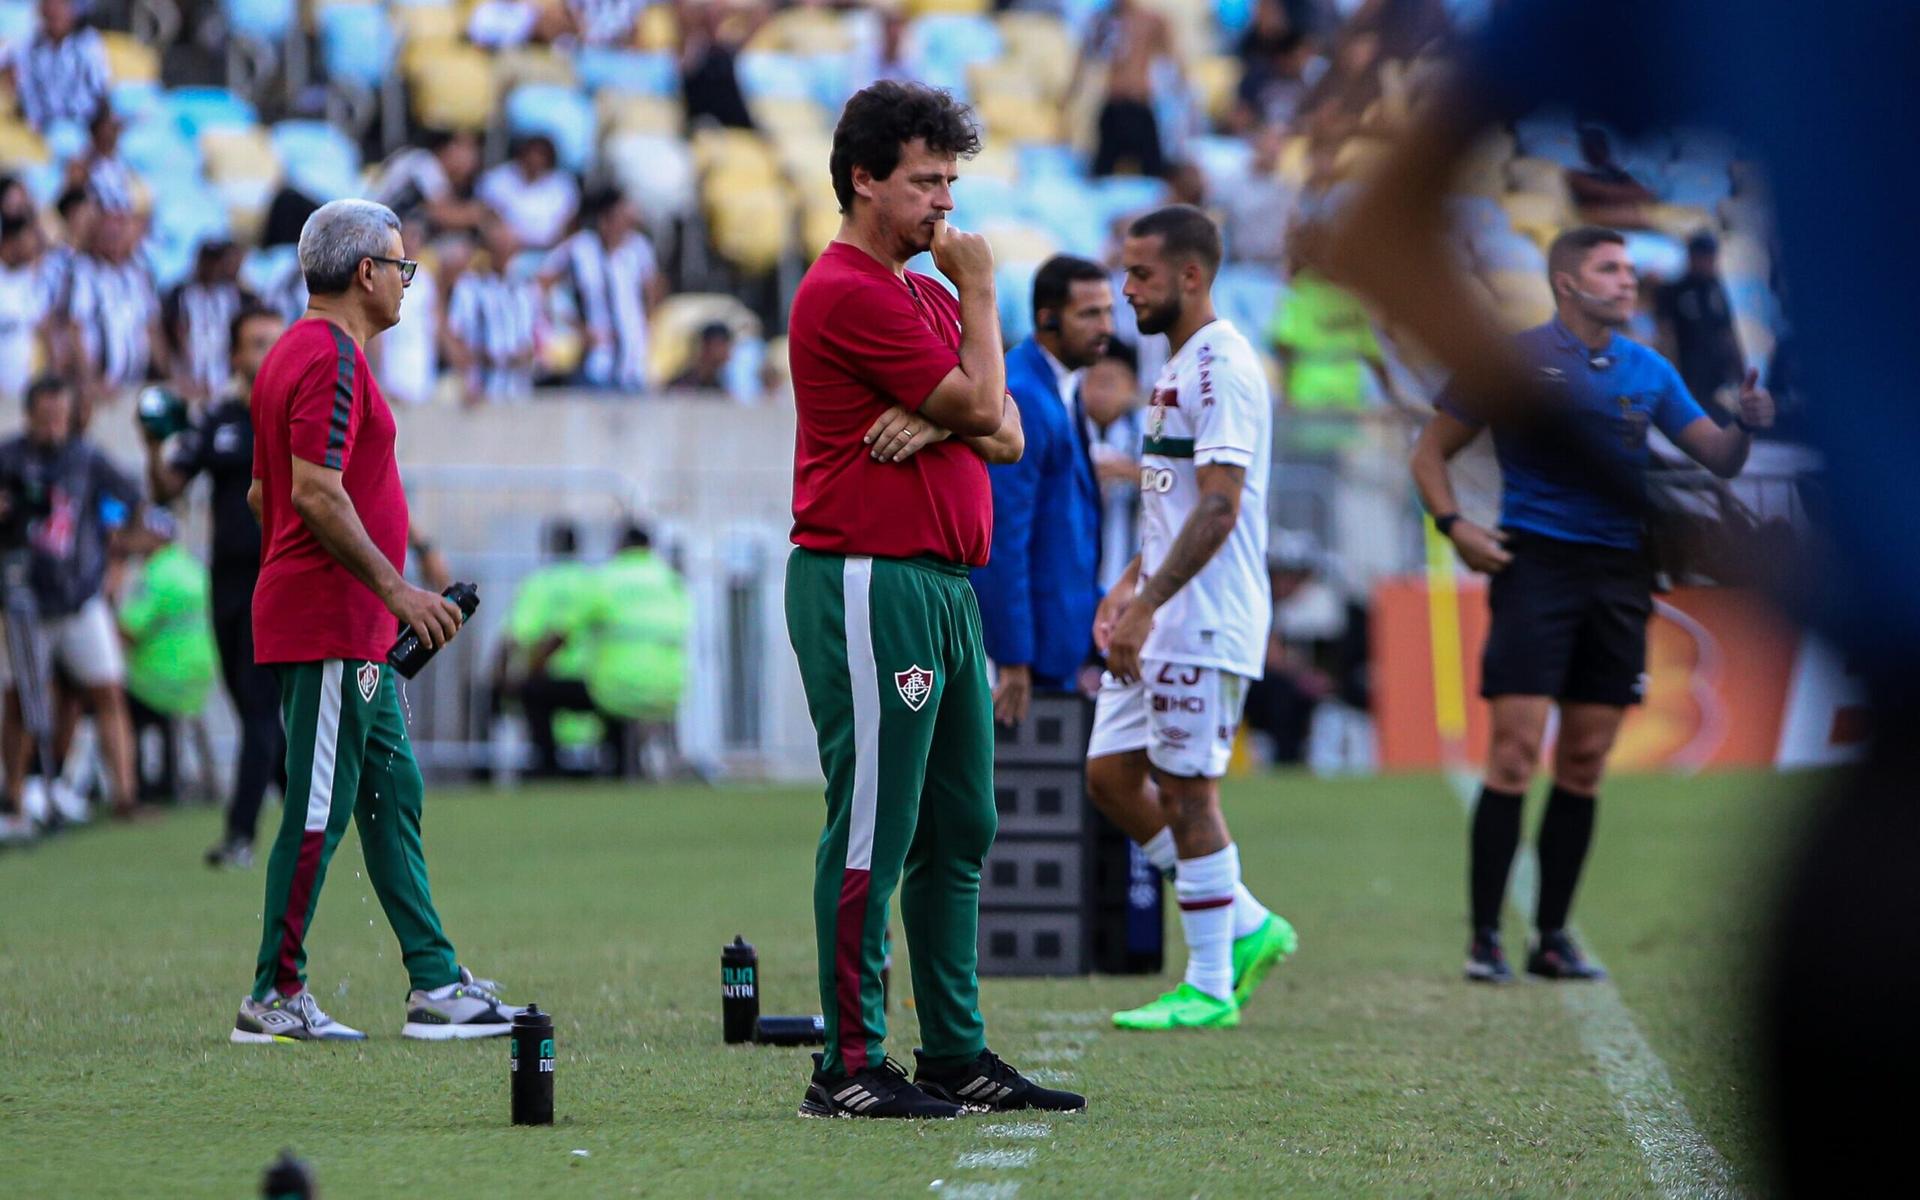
(237, 154)
(752, 229)
(658, 28)
(458, 93)
(1680, 221)
(782, 118)
(807, 31)
(511, 68)
(129, 60)
(1016, 242)
(21, 146)
(1216, 79)
(673, 325)
(1521, 296)
(920, 8)
(819, 224)
(1041, 46)
(1541, 175)
(1294, 165)
(1006, 77)
(996, 160)
(1013, 118)
(627, 112)
(735, 149)
(803, 160)
(1539, 217)
(429, 23)
(419, 56)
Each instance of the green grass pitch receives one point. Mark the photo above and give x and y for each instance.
(1365, 1066)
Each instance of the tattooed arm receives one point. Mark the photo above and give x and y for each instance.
(1199, 539)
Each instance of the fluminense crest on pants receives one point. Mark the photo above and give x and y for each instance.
(915, 684)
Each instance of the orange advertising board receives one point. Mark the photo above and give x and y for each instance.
(1729, 682)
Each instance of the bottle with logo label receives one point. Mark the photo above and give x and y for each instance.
(790, 1031)
(409, 653)
(530, 1073)
(739, 990)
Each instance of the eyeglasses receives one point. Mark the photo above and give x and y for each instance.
(407, 266)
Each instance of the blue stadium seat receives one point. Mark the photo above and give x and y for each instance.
(1070, 210)
(135, 99)
(1221, 159)
(643, 73)
(1656, 254)
(923, 263)
(320, 160)
(64, 139)
(45, 181)
(1697, 185)
(19, 20)
(1045, 160)
(259, 20)
(262, 270)
(155, 147)
(766, 75)
(978, 199)
(833, 80)
(1125, 195)
(356, 44)
(1247, 296)
(941, 47)
(563, 114)
(1013, 283)
(196, 109)
(1232, 17)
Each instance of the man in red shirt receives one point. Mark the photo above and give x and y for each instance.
(326, 609)
(901, 397)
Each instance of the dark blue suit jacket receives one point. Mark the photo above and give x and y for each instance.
(1038, 591)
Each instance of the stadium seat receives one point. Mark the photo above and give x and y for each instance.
(1071, 209)
(803, 31)
(628, 112)
(656, 170)
(1215, 79)
(658, 28)
(264, 21)
(129, 60)
(1539, 217)
(764, 75)
(939, 48)
(1040, 45)
(633, 71)
(19, 144)
(1698, 185)
(1016, 118)
(563, 114)
(1678, 220)
(1039, 162)
(1014, 240)
(1247, 295)
(1294, 165)
(738, 152)
(19, 19)
(1013, 293)
(155, 148)
(1125, 195)
(133, 101)
(1539, 175)
(1655, 254)
(64, 139)
(428, 24)
(196, 109)
(819, 225)
(1524, 297)
(319, 159)
(532, 64)
(1223, 160)
(678, 318)
(357, 44)
(978, 199)
(785, 117)
(458, 93)
(239, 155)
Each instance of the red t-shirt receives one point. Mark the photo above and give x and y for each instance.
(861, 340)
(315, 398)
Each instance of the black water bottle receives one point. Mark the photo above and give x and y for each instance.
(530, 1051)
(287, 1178)
(739, 990)
(409, 653)
(791, 1031)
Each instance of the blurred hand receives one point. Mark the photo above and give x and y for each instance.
(434, 617)
(964, 258)
(1107, 615)
(899, 435)
(1756, 402)
(1483, 550)
(1117, 470)
(1013, 695)
(1129, 635)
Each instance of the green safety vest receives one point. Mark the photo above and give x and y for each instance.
(636, 623)
(1331, 339)
(170, 658)
(551, 603)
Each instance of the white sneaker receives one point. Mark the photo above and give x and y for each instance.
(287, 1019)
(15, 831)
(35, 804)
(471, 1008)
(71, 805)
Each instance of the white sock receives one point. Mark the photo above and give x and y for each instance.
(1248, 914)
(1160, 852)
(1205, 887)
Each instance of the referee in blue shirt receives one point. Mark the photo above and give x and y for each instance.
(1571, 583)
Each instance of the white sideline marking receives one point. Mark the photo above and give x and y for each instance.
(1059, 1054)
(1679, 1160)
(1049, 1075)
(1083, 1017)
(975, 1191)
(1025, 1129)
(994, 1160)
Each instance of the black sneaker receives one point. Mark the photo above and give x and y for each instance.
(881, 1091)
(989, 1085)
(1555, 956)
(1486, 961)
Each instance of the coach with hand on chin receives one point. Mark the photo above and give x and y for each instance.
(1039, 589)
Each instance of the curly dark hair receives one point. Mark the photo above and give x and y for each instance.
(883, 117)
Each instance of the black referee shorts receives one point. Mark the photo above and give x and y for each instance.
(1569, 620)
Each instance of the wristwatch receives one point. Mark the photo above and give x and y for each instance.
(1444, 523)
(1749, 430)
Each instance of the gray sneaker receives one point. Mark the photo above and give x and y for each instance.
(469, 1008)
(295, 1018)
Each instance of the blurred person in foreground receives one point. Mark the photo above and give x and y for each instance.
(1040, 587)
(327, 492)
(1572, 586)
(633, 620)
(218, 443)
(67, 500)
(1185, 628)
(165, 622)
(1838, 986)
(900, 395)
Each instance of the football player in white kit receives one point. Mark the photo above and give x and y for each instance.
(1185, 629)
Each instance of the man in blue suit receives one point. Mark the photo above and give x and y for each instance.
(1041, 586)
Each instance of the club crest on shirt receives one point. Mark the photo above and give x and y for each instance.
(915, 684)
(368, 678)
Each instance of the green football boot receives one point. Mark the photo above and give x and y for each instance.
(1185, 1007)
(1260, 952)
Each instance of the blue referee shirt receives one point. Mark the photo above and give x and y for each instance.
(1549, 485)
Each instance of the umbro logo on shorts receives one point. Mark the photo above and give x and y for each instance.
(915, 684)
(368, 679)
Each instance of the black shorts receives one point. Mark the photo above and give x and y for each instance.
(1569, 620)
